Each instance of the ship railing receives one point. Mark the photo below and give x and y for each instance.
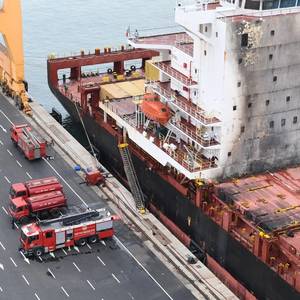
(175, 74)
(196, 113)
(204, 142)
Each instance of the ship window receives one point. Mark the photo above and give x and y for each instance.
(244, 40)
(295, 120)
(249, 104)
(282, 122)
(287, 3)
(217, 34)
(267, 102)
(272, 124)
(270, 56)
(252, 4)
(234, 107)
(229, 154)
(205, 52)
(274, 78)
(196, 71)
(240, 60)
(195, 93)
(205, 29)
(239, 84)
(272, 32)
(242, 129)
(270, 4)
(288, 98)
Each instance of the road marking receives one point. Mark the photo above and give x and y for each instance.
(1, 142)
(4, 210)
(3, 129)
(9, 152)
(16, 225)
(2, 246)
(145, 270)
(52, 254)
(7, 179)
(25, 258)
(47, 162)
(77, 249)
(101, 261)
(130, 295)
(19, 163)
(2, 267)
(28, 175)
(64, 251)
(1, 289)
(7, 118)
(51, 273)
(90, 284)
(115, 277)
(76, 267)
(63, 289)
(36, 296)
(103, 243)
(25, 279)
(89, 246)
(13, 262)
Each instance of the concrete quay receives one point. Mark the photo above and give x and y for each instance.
(202, 283)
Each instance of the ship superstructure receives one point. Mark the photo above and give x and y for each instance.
(215, 100)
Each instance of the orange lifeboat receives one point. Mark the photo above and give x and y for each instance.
(156, 111)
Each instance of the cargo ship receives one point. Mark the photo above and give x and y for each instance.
(210, 115)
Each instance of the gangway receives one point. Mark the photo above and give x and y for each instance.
(132, 178)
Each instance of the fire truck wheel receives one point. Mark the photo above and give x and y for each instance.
(38, 252)
(93, 239)
(54, 212)
(24, 220)
(80, 242)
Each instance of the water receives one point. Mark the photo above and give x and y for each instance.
(67, 26)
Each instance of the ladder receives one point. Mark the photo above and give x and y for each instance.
(31, 137)
(132, 178)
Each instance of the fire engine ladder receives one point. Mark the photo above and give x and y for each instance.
(29, 135)
(132, 178)
(73, 219)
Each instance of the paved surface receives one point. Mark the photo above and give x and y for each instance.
(102, 271)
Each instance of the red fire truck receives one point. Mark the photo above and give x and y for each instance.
(32, 145)
(41, 205)
(75, 229)
(35, 187)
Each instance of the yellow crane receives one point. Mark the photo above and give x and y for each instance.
(12, 55)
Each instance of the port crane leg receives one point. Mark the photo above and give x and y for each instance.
(12, 56)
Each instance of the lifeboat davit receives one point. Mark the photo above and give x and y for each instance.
(156, 111)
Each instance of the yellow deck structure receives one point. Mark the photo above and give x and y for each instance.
(125, 89)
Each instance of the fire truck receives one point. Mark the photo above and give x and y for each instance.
(31, 144)
(76, 229)
(35, 187)
(41, 206)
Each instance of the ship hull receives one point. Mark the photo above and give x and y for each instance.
(256, 276)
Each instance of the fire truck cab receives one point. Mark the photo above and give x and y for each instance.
(77, 229)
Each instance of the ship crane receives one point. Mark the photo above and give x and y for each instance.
(12, 56)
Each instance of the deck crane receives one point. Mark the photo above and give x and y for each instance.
(12, 55)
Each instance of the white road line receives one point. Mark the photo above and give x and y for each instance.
(28, 175)
(115, 277)
(16, 225)
(90, 284)
(76, 249)
(7, 118)
(2, 246)
(36, 296)
(3, 129)
(1, 142)
(63, 289)
(76, 267)
(1, 289)
(64, 251)
(51, 273)
(19, 163)
(101, 261)
(4, 209)
(9, 152)
(89, 246)
(25, 279)
(7, 179)
(47, 162)
(145, 270)
(25, 258)
(13, 262)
